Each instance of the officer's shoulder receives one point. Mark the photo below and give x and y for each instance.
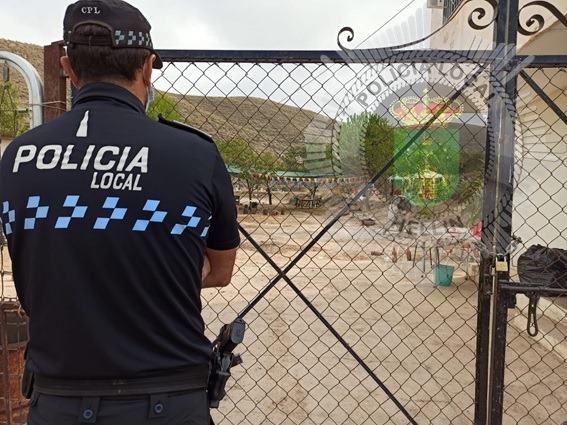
(187, 128)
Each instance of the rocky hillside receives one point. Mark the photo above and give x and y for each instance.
(264, 123)
(31, 52)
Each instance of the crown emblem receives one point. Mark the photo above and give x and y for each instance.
(413, 111)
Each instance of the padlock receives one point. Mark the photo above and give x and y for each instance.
(501, 264)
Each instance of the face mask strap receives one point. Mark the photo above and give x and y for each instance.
(151, 97)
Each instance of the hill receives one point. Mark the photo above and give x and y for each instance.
(263, 123)
(31, 52)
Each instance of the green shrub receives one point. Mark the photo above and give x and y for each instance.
(12, 121)
(164, 105)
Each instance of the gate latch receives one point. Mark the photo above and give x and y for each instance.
(533, 328)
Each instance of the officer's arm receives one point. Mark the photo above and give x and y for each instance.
(221, 265)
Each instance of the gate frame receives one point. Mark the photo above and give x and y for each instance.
(496, 291)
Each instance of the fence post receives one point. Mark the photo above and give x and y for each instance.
(5, 370)
(55, 81)
(507, 34)
(503, 300)
(485, 284)
(497, 223)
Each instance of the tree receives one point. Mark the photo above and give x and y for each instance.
(166, 106)
(12, 121)
(365, 145)
(366, 141)
(265, 165)
(294, 158)
(350, 141)
(378, 145)
(238, 153)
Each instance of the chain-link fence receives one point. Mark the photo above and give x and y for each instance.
(342, 275)
(360, 298)
(13, 330)
(536, 351)
(360, 189)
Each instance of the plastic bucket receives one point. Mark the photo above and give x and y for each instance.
(444, 275)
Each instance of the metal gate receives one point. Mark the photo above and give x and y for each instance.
(344, 327)
(371, 292)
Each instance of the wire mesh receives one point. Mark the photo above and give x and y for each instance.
(536, 373)
(13, 332)
(359, 289)
(364, 308)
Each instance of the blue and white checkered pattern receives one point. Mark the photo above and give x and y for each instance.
(157, 216)
(71, 201)
(40, 212)
(11, 216)
(111, 203)
(132, 38)
(192, 223)
(79, 212)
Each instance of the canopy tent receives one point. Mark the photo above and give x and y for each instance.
(297, 176)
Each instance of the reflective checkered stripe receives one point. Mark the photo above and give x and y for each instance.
(132, 39)
(113, 212)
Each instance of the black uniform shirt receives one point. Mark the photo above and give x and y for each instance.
(108, 214)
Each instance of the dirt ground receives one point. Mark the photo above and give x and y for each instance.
(402, 332)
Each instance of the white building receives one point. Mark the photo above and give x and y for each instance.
(540, 196)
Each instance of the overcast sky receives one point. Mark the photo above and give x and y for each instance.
(245, 25)
(220, 24)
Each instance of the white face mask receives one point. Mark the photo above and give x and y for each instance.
(151, 97)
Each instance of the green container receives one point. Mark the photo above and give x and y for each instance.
(443, 274)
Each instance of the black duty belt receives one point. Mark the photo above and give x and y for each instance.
(191, 378)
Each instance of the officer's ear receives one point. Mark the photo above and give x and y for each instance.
(147, 70)
(66, 64)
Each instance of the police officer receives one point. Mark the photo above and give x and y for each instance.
(114, 224)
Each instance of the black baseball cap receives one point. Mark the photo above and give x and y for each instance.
(128, 27)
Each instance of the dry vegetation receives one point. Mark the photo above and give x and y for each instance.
(31, 52)
(263, 123)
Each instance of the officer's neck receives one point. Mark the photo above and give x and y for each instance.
(138, 87)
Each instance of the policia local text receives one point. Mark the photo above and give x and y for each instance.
(122, 167)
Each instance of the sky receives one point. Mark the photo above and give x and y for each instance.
(243, 25)
(220, 24)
